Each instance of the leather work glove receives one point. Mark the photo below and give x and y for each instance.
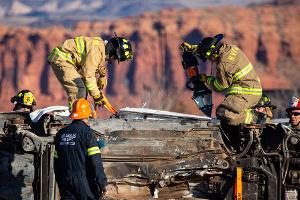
(188, 47)
(102, 82)
(99, 101)
(185, 47)
(203, 78)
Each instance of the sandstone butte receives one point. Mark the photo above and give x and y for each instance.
(269, 35)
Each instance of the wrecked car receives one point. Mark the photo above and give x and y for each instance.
(156, 154)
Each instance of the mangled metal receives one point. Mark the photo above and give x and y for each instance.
(158, 154)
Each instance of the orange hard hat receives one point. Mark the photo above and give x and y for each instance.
(82, 109)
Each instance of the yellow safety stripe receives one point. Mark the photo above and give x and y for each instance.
(55, 154)
(63, 55)
(218, 86)
(243, 72)
(80, 47)
(239, 184)
(125, 46)
(93, 150)
(247, 91)
(210, 79)
(249, 116)
(91, 86)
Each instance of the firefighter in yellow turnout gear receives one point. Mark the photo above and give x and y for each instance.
(235, 76)
(77, 61)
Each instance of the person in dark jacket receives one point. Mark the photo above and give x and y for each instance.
(78, 166)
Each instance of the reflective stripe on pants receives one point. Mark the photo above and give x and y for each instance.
(244, 91)
(65, 56)
(233, 109)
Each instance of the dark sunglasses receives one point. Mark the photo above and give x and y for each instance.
(293, 113)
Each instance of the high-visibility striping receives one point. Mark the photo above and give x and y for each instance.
(247, 91)
(249, 116)
(93, 150)
(238, 184)
(91, 86)
(63, 55)
(80, 47)
(240, 74)
(125, 46)
(210, 80)
(218, 86)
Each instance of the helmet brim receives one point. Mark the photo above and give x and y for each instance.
(291, 109)
(265, 106)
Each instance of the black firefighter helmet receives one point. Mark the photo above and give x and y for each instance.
(121, 48)
(265, 101)
(209, 46)
(24, 98)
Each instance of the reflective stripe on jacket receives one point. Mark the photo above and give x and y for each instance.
(235, 74)
(87, 54)
(58, 52)
(77, 153)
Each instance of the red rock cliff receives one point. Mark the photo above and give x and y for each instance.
(268, 35)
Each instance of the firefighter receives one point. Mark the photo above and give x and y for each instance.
(77, 61)
(265, 108)
(293, 112)
(78, 166)
(235, 76)
(24, 101)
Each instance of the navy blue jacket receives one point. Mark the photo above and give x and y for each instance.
(78, 154)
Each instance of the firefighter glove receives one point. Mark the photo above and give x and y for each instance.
(203, 78)
(99, 101)
(185, 47)
(102, 82)
(188, 47)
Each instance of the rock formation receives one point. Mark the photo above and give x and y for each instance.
(269, 35)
